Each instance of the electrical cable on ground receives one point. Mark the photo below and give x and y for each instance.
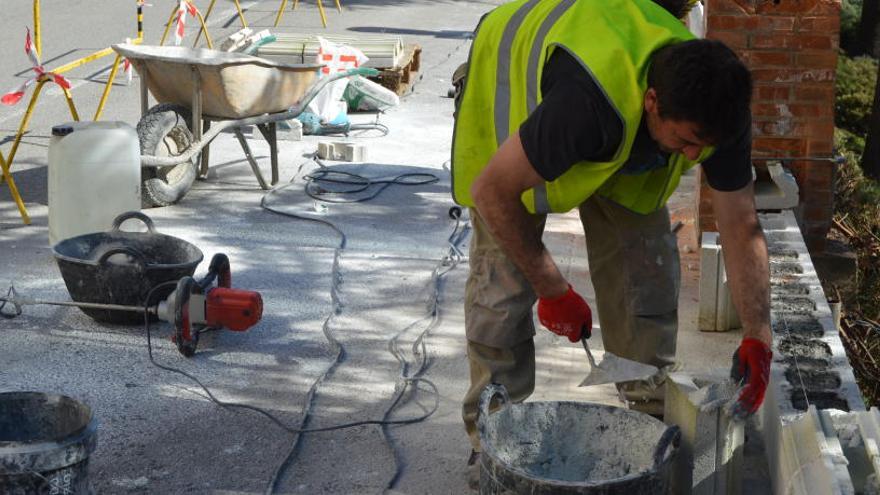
(405, 380)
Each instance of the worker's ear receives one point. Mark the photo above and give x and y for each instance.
(651, 100)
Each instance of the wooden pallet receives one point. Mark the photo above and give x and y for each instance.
(400, 79)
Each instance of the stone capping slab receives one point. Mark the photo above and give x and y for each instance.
(781, 193)
(793, 277)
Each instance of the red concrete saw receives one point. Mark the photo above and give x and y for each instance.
(193, 307)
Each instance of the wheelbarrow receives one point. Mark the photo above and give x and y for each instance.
(201, 93)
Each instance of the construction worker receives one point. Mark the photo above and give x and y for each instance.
(600, 105)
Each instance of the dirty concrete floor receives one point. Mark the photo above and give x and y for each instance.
(158, 432)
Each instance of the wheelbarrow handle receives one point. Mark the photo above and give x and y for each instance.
(122, 217)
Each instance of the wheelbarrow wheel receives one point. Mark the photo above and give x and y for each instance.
(164, 131)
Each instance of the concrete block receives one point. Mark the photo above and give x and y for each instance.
(342, 151)
(812, 459)
(711, 453)
(291, 130)
(780, 194)
(717, 313)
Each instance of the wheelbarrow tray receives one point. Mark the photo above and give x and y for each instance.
(233, 85)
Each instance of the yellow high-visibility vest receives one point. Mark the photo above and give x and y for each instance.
(613, 40)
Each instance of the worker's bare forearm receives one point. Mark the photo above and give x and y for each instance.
(496, 193)
(745, 257)
(514, 229)
(746, 260)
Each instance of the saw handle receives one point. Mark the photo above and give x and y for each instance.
(185, 336)
(218, 270)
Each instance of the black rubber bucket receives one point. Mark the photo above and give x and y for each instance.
(563, 448)
(118, 267)
(45, 443)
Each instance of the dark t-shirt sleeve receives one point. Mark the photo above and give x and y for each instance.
(730, 167)
(573, 123)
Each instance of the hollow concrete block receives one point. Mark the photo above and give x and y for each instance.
(711, 452)
(812, 458)
(342, 151)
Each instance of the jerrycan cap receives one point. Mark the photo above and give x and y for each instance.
(62, 130)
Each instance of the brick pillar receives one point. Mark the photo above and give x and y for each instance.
(791, 48)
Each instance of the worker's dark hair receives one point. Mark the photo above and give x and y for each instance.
(704, 82)
(678, 8)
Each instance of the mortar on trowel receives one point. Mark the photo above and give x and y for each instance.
(571, 448)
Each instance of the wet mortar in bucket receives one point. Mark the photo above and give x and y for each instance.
(569, 447)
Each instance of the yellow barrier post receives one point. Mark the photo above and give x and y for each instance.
(7, 176)
(280, 12)
(204, 27)
(38, 44)
(7, 162)
(296, 2)
(208, 14)
(22, 128)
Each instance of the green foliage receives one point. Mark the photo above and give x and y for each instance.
(850, 14)
(854, 93)
(857, 202)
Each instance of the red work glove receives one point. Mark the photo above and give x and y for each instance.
(751, 366)
(567, 315)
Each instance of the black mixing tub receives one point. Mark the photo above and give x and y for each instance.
(118, 267)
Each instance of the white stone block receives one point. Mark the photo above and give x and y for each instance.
(342, 151)
(812, 458)
(717, 313)
(780, 194)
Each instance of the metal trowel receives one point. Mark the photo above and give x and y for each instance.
(614, 369)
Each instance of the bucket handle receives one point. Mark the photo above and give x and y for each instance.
(117, 222)
(671, 438)
(134, 253)
(488, 394)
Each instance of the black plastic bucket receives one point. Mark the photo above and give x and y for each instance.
(119, 267)
(560, 448)
(45, 442)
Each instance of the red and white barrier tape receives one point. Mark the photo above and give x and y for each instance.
(14, 96)
(185, 7)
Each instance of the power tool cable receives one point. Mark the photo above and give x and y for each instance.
(407, 380)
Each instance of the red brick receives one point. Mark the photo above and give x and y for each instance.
(816, 41)
(828, 25)
(776, 41)
(761, 59)
(815, 92)
(772, 93)
(728, 7)
(821, 147)
(779, 144)
(732, 22)
(736, 40)
(777, 7)
(769, 109)
(818, 131)
(792, 75)
(775, 23)
(817, 59)
(809, 109)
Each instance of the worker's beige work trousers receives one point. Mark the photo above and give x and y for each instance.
(634, 267)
